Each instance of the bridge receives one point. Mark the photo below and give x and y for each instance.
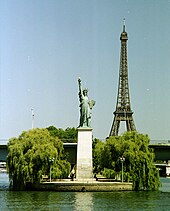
(3, 150)
(162, 157)
(161, 150)
(69, 148)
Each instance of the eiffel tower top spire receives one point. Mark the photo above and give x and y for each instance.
(123, 35)
(123, 24)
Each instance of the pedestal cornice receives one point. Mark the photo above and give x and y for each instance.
(84, 129)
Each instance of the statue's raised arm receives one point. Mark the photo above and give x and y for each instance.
(79, 82)
(85, 106)
(80, 88)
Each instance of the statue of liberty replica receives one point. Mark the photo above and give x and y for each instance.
(84, 166)
(85, 106)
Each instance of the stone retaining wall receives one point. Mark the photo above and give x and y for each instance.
(82, 186)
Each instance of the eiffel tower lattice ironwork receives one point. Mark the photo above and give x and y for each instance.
(123, 108)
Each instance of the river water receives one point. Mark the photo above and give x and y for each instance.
(85, 201)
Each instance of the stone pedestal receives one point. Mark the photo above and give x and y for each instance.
(84, 168)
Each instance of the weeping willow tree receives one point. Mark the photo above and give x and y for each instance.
(138, 164)
(31, 155)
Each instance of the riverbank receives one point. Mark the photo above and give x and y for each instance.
(81, 186)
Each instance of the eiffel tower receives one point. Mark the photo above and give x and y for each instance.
(123, 108)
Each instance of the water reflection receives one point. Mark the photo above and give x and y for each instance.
(165, 184)
(83, 201)
(92, 201)
(4, 181)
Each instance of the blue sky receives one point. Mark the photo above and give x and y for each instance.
(45, 45)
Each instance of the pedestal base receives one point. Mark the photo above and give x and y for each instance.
(84, 168)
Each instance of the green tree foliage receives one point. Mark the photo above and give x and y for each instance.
(138, 165)
(68, 135)
(29, 157)
(98, 150)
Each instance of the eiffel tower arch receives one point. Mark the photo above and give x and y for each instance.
(123, 110)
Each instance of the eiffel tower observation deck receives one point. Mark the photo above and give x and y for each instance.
(123, 110)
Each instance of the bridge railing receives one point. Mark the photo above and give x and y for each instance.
(3, 141)
(152, 142)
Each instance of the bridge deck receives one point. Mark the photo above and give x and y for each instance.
(162, 151)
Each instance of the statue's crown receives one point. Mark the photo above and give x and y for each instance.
(85, 90)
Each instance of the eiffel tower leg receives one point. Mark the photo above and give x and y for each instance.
(115, 127)
(130, 125)
(133, 128)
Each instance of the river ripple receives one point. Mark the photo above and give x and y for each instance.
(97, 201)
